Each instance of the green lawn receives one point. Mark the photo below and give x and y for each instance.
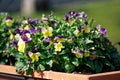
(106, 13)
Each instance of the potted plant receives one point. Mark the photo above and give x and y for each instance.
(70, 45)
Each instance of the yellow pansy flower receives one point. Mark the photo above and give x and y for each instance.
(87, 54)
(78, 54)
(87, 29)
(58, 46)
(17, 37)
(27, 27)
(76, 32)
(47, 32)
(21, 45)
(60, 40)
(70, 40)
(34, 56)
(25, 22)
(9, 22)
(11, 36)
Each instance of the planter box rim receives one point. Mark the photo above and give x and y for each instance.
(64, 76)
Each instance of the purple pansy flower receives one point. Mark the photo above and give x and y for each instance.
(80, 51)
(26, 31)
(29, 20)
(67, 17)
(24, 38)
(32, 21)
(84, 15)
(8, 17)
(71, 12)
(103, 31)
(18, 31)
(35, 21)
(27, 53)
(81, 15)
(60, 36)
(32, 30)
(54, 23)
(86, 23)
(38, 29)
(36, 49)
(46, 39)
(77, 14)
(14, 43)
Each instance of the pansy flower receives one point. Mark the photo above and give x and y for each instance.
(47, 32)
(34, 56)
(78, 53)
(81, 15)
(103, 31)
(38, 29)
(67, 17)
(21, 45)
(35, 50)
(30, 21)
(9, 21)
(58, 46)
(60, 38)
(54, 22)
(35, 21)
(14, 43)
(11, 35)
(17, 37)
(87, 29)
(27, 27)
(19, 30)
(47, 39)
(87, 54)
(76, 32)
(86, 23)
(32, 30)
(71, 12)
(26, 37)
(70, 40)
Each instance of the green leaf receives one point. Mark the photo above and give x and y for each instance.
(40, 67)
(91, 22)
(19, 65)
(63, 52)
(29, 71)
(49, 62)
(66, 58)
(102, 57)
(109, 64)
(90, 64)
(98, 66)
(69, 67)
(75, 62)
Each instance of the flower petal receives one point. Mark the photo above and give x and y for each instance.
(21, 45)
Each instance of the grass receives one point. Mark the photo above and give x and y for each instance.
(106, 13)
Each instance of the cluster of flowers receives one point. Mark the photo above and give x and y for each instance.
(67, 45)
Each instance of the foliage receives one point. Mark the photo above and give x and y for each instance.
(6, 27)
(72, 44)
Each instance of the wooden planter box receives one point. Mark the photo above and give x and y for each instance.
(51, 75)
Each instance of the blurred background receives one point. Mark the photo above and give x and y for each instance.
(105, 12)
